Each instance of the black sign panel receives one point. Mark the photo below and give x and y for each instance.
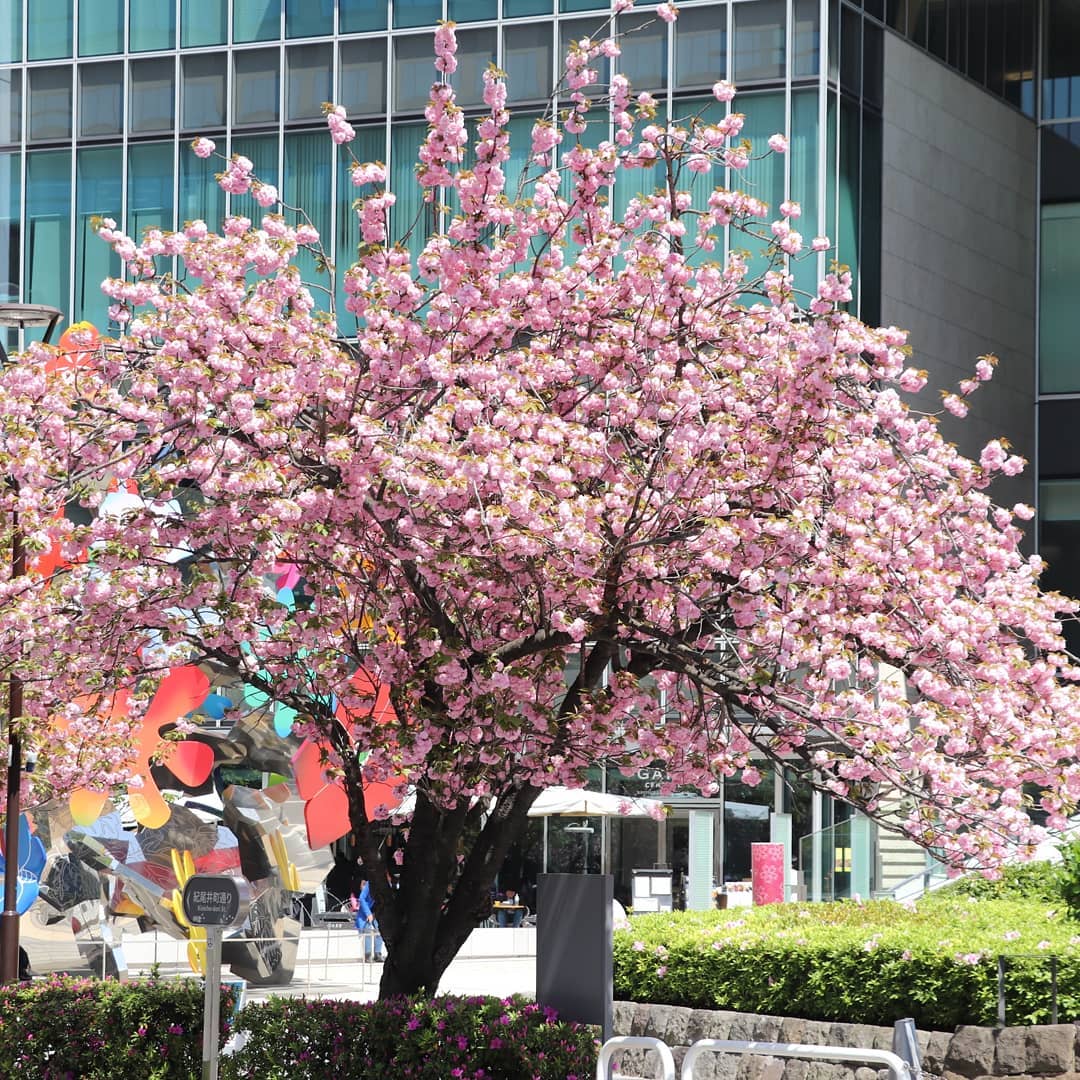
(215, 900)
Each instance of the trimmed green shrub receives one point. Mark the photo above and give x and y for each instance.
(870, 963)
(1037, 881)
(82, 1029)
(417, 1038)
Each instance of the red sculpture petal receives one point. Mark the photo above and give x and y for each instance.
(191, 762)
(327, 816)
(307, 770)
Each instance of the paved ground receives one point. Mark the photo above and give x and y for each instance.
(329, 963)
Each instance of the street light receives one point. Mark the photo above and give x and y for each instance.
(19, 316)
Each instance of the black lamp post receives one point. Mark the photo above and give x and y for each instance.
(20, 316)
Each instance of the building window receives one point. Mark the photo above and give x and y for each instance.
(150, 187)
(309, 18)
(409, 13)
(11, 34)
(414, 72)
(760, 30)
(362, 77)
(50, 104)
(153, 90)
(701, 47)
(151, 25)
(256, 20)
(528, 62)
(202, 94)
(48, 228)
(98, 183)
(358, 16)
(644, 44)
(1059, 355)
(101, 100)
(256, 82)
(49, 30)
(1059, 540)
(203, 22)
(310, 69)
(472, 10)
(10, 105)
(476, 52)
(101, 27)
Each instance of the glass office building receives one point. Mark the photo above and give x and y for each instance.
(100, 99)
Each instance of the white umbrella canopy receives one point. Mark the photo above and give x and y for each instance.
(576, 802)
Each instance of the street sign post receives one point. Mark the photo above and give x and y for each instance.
(214, 901)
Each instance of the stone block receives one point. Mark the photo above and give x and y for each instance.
(676, 1027)
(971, 1051)
(796, 1069)
(1010, 1052)
(622, 1017)
(1050, 1049)
(937, 1049)
(793, 1030)
(706, 1024)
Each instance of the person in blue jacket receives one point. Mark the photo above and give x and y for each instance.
(366, 925)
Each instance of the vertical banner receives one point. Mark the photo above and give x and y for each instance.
(767, 873)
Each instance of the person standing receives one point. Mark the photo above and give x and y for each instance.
(366, 924)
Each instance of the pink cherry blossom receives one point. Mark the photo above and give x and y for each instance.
(203, 147)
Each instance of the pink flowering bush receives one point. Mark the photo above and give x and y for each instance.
(877, 962)
(448, 1038)
(85, 1029)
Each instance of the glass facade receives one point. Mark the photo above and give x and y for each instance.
(131, 82)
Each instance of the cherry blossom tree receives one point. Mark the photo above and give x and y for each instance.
(581, 488)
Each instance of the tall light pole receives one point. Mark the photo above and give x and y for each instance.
(20, 316)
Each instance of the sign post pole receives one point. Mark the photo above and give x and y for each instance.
(212, 1004)
(214, 901)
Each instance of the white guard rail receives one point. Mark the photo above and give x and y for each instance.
(897, 1067)
(633, 1042)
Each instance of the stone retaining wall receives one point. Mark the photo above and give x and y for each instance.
(1049, 1050)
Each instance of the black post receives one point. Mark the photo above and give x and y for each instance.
(9, 918)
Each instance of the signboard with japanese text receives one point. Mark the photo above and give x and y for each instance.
(216, 900)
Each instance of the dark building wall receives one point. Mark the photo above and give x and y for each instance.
(959, 216)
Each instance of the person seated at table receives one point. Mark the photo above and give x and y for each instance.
(509, 908)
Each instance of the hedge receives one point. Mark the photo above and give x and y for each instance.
(82, 1029)
(417, 1038)
(870, 963)
(78, 1029)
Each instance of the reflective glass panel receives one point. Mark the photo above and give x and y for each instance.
(513, 9)
(472, 10)
(101, 99)
(309, 18)
(153, 90)
(807, 38)
(417, 12)
(202, 92)
(362, 77)
(309, 157)
(98, 183)
(527, 61)
(411, 219)
(49, 30)
(356, 16)
(1061, 59)
(701, 46)
(150, 187)
(101, 27)
(262, 152)
(414, 71)
(582, 5)
(151, 24)
(802, 158)
(1059, 540)
(1059, 281)
(50, 103)
(310, 68)
(10, 191)
(11, 32)
(200, 197)
(10, 105)
(255, 86)
(644, 40)
(476, 51)
(48, 228)
(256, 20)
(760, 30)
(203, 22)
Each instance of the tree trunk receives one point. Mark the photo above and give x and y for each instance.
(426, 920)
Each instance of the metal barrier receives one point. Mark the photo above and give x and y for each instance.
(604, 1069)
(896, 1066)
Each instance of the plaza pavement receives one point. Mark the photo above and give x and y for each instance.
(329, 961)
